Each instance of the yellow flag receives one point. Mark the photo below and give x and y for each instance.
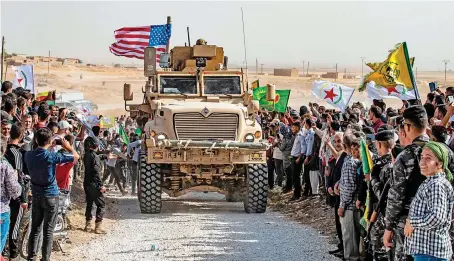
(375, 66)
(395, 70)
(107, 122)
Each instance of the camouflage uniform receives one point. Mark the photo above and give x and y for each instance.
(405, 181)
(380, 174)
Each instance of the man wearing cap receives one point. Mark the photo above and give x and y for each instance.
(405, 180)
(380, 174)
(63, 129)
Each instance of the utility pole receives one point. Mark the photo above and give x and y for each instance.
(48, 64)
(303, 69)
(307, 69)
(261, 68)
(3, 57)
(335, 78)
(362, 66)
(256, 66)
(446, 67)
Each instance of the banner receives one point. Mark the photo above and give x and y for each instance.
(335, 94)
(395, 70)
(279, 104)
(107, 122)
(24, 77)
(45, 96)
(379, 92)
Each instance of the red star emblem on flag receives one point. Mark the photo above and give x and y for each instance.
(330, 94)
(392, 89)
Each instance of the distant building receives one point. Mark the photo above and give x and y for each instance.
(286, 72)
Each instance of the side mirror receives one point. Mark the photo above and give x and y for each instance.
(253, 107)
(270, 92)
(128, 95)
(164, 60)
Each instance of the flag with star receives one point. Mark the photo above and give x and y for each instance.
(280, 101)
(378, 92)
(131, 41)
(24, 77)
(337, 95)
(395, 70)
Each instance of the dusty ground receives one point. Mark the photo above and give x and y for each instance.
(201, 226)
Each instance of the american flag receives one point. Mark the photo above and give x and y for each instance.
(131, 41)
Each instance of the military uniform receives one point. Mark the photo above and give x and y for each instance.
(405, 180)
(380, 174)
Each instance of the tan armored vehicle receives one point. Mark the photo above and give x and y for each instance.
(201, 134)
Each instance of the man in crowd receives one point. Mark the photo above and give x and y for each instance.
(41, 164)
(375, 115)
(349, 215)
(298, 156)
(135, 145)
(14, 156)
(405, 180)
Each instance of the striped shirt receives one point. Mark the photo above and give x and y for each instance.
(430, 216)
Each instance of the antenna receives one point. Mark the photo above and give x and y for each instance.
(189, 39)
(244, 42)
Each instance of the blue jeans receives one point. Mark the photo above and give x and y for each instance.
(4, 228)
(427, 258)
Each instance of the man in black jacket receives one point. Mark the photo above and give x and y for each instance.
(93, 185)
(14, 155)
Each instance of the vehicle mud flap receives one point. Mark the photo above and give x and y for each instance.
(149, 189)
(256, 197)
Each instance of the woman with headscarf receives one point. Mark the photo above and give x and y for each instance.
(429, 220)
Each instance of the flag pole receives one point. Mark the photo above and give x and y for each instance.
(412, 76)
(169, 21)
(3, 58)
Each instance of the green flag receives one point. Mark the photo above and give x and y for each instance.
(123, 135)
(139, 132)
(279, 104)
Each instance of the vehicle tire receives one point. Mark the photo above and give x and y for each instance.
(256, 197)
(150, 186)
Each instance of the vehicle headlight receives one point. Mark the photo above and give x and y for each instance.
(153, 133)
(249, 137)
(258, 134)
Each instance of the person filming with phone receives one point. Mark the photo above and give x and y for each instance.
(41, 164)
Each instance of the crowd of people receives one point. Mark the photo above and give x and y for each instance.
(386, 172)
(44, 149)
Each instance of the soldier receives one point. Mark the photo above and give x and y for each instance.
(405, 180)
(201, 42)
(380, 174)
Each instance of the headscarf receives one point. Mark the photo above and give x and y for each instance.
(441, 152)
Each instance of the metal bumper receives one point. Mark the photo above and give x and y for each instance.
(206, 152)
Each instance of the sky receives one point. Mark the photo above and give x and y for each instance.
(278, 34)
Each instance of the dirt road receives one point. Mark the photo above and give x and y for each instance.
(201, 226)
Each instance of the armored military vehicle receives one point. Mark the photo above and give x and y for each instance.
(201, 133)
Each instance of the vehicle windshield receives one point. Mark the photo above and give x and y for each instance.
(222, 85)
(171, 84)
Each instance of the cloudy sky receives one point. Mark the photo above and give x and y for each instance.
(277, 33)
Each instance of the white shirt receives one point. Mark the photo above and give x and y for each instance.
(135, 145)
(277, 153)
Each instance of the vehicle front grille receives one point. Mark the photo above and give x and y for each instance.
(217, 126)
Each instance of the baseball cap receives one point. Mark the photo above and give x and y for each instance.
(64, 125)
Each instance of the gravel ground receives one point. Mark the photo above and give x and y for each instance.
(201, 226)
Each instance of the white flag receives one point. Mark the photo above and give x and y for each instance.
(335, 94)
(379, 92)
(24, 77)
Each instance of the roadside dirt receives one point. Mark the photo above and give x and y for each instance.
(313, 212)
